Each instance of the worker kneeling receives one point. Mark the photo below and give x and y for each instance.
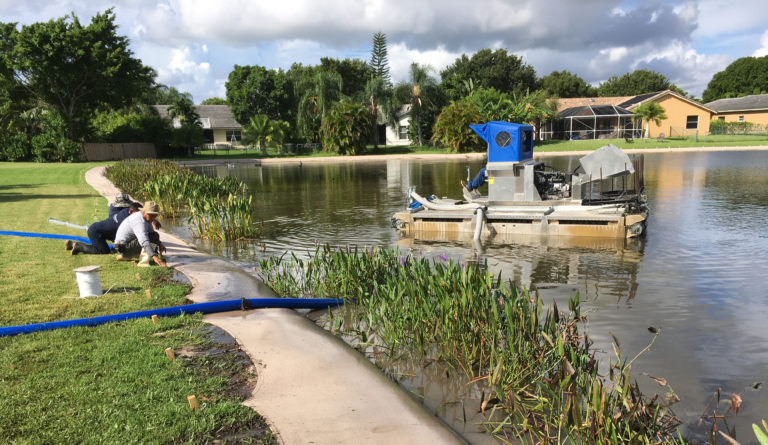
(133, 235)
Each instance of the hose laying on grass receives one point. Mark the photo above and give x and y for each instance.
(205, 308)
(48, 235)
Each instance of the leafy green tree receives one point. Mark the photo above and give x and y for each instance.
(650, 111)
(164, 95)
(140, 124)
(255, 90)
(214, 101)
(745, 76)
(354, 74)
(14, 99)
(492, 104)
(488, 69)
(529, 107)
(566, 84)
(75, 69)
(186, 138)
(316, 95)
(379, 63)
(452, 127)
(346, 128)
(49, 141)
(637, 82)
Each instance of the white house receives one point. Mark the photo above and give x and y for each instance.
(218, 123)
(399, 135)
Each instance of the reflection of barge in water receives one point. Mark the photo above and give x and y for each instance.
(604, 197)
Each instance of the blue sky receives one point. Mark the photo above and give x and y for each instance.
(193, 44)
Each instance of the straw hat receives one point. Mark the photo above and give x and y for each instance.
(151, 208)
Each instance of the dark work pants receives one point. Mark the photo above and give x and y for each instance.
(133, 248)
(100, 232)
(477, 181)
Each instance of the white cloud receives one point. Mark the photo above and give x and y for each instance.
(182, 69)
(763, 50)
(400, 59)
(193, 44)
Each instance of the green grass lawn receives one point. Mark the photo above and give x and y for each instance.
(111, 383)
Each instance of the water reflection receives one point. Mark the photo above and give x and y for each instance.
(698, 275)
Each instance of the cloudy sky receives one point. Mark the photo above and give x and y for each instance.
(193, 44)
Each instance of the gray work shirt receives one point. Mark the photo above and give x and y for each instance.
(136, 228)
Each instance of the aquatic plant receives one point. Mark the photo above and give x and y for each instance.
(218, 208)
(538, 372)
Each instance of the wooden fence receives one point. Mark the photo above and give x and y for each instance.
(115, 152)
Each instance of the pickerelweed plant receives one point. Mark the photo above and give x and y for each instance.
(540, 376)
(217, 208)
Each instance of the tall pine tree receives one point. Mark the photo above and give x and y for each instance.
(379, 62)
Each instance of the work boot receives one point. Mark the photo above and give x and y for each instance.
(69, 244)
(144, 260)
(83, 248)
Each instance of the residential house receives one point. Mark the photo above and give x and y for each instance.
(753, 109)
(387, 135)
(219, 125)
(613, 117)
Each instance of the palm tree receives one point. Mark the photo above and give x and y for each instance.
(183, 110)
(650, 111)
(279, 131)
(258, 131)
(421, 83)
(316, 95)
(377, 94)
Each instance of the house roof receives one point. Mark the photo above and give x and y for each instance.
(571, 102)
(746, 103)
(211, 116)
(624, 102)
(595, 111)
(652, 97)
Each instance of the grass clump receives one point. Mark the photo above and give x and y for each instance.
(538, 372)
(217, 208)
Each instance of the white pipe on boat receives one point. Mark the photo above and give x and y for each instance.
(479, 223)
(432, 206)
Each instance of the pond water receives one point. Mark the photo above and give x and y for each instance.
(699, 275)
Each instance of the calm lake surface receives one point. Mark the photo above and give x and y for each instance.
(700, 274)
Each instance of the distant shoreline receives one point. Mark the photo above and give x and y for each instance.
(445, 156)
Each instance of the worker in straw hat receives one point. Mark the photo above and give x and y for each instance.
(133, 234)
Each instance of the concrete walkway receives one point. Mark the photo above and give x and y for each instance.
(312, 387)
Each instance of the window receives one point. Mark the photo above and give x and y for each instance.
(402, 132)
(692, 122)
(721, 118)
(234, 135)
(741, 118)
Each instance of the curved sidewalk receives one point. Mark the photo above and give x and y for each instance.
(312, 387)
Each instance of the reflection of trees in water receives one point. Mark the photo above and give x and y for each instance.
(555, 268)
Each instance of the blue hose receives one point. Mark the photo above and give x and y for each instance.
(205, 308)
(47, 235)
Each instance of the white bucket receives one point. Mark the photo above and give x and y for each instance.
(88, 281)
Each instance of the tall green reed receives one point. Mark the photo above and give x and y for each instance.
(217, 208)
(537, 369)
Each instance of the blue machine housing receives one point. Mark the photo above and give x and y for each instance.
(507, 142)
